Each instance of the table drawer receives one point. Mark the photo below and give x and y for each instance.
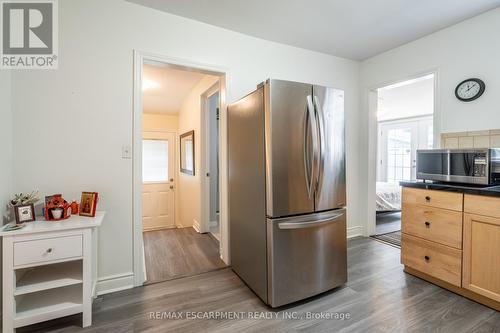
(435, 224)
(433, 198)
(439, 261)
(32, 252)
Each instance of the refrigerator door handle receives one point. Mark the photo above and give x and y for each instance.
(321, 143)
(310, 123)
(309, 224)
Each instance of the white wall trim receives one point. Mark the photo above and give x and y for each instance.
(139, 58)
(355, 231)
(370, 101)
(112, 283)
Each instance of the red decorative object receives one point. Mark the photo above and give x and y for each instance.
(74, 207)
(56, 208)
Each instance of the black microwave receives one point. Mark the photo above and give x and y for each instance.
(470, 166)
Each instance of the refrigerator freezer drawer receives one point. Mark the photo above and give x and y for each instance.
(306, 256)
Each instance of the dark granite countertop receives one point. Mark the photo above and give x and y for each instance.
(462, 188)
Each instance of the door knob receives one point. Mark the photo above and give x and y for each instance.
(171, 187)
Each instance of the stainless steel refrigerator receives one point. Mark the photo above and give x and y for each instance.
(287, 220)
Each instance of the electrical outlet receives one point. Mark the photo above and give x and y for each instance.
(126, 152)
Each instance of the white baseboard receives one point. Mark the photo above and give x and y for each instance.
(196, 225)
(112, 283)
(213, 223)
(355, 231)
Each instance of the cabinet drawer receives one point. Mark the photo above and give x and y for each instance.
(482, 205)
(439, 261)
(433, 198)
(32, 252)
(435, 224)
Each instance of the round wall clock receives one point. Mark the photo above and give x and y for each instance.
(470, 89)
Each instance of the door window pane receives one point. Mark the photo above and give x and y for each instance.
(398, 154)
(154, 161)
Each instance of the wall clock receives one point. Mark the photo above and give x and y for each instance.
(470, 89)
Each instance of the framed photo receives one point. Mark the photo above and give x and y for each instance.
(24, 213)
(187, 153)
(88, 204)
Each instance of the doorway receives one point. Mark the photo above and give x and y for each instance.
(405, 123)
(170, 230)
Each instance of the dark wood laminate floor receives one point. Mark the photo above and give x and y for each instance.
(378, 296)
(174, 253)
(388, 222)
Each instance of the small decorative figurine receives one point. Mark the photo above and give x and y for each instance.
(56, 208)
(74, 207)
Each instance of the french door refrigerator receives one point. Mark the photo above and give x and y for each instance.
(287, 192)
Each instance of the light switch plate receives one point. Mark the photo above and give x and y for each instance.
(127, 152)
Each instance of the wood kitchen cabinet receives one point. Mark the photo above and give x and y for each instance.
(481, 247)
(453, 240)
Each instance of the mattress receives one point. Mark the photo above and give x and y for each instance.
(388, 197)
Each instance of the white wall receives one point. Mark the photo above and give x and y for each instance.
(71, 123)
(190, 186)
(6, 154)
(159, 122)
(6, 151)
(468, 49)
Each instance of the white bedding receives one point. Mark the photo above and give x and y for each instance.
(388, 196)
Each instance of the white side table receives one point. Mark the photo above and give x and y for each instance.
(49, 271)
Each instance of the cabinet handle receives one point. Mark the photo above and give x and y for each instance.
(427, 198)
(49, 250)
(427, 258)
(427, 224)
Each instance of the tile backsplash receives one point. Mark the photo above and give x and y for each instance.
(473, 139)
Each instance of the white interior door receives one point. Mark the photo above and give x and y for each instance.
(158, 177)
(399, 141)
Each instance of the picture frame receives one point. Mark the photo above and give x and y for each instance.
(187, 150)
(24, 213)
(88, 204)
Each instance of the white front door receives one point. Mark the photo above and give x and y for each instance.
(158, 177)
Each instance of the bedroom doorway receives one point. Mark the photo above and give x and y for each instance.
(405, 119)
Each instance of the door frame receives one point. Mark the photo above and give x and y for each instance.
(176, 170)
(371, 95)
(139, 58)
(205, 160)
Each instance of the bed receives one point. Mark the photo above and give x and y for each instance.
(388, 197)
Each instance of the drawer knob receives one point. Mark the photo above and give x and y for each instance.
(49, 250)
(427, 258)
(427, 224)
(427, 198)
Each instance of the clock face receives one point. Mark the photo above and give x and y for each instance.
(469, 90)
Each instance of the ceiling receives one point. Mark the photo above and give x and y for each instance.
(164, 88)
(354, 29)
(406, 99)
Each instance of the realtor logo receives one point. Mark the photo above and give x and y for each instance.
(29, 34)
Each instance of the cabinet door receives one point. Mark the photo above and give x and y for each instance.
(481, 255)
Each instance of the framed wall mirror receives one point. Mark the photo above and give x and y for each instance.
(187, 153)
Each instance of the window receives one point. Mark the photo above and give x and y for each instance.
(154, 161)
